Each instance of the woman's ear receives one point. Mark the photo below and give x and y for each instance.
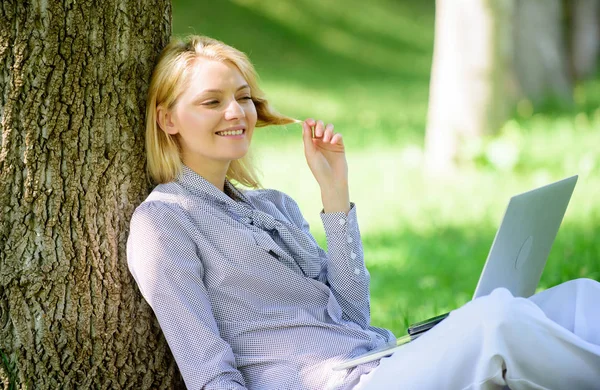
(165, 120)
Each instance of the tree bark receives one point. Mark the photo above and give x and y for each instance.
(471, 70)
(541, 62)
(584, 36)
(73, 81)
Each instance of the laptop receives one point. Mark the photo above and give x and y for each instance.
(517, 256)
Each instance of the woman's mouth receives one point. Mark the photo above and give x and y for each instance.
(229, 133)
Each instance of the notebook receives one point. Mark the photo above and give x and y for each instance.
(517, 256)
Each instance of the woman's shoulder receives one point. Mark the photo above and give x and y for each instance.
(166, 200)
(172, 200)
(163, 197)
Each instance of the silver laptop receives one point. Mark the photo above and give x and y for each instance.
(517, 256)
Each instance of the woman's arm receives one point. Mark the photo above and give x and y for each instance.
(346, 273)
(165, 264)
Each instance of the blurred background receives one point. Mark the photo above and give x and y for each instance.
(447, 109)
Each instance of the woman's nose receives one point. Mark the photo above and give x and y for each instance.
(234, 111)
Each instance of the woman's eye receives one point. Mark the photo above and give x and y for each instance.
(210, 103)
(246, 98)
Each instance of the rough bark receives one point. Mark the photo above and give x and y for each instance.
(73, 79)
(471, 71)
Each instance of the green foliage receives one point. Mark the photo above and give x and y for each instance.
(366, 69)
(7, 372)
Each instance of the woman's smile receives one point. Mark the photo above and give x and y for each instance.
(235, 132)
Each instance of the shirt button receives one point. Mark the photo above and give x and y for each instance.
(342, 221)
(349, 239)
(353, 255)
(356, 271)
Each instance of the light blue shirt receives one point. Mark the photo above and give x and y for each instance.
(243, 293)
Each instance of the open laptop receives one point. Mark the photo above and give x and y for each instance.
(517, 256)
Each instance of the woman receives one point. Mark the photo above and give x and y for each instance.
(247, 299)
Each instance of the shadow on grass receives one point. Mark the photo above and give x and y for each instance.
(438, 271)
(289, 50)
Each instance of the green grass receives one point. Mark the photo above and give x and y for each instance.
(366, 69)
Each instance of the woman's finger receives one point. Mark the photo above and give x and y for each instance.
(311, 122)
(307, 137)
(319, 129)
(337, 139)
(328, 134)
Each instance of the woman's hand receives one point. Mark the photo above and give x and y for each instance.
(326, 158)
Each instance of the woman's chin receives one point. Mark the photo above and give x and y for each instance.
(236, 155)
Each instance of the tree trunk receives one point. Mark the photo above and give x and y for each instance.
(471, 68)
(73, 81)
(584, 37)
(541, 63)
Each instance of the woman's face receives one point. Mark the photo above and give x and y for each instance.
(214, 117)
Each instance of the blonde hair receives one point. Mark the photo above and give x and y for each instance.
(168, 83)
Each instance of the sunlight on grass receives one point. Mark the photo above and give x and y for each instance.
(373, 114)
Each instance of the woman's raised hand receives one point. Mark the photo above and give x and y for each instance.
(326, 158)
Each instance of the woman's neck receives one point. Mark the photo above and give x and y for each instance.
(212, 172)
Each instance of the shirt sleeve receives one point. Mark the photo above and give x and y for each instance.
(346, 274)
(164, 261)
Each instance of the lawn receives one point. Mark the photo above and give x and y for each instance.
(366, 69)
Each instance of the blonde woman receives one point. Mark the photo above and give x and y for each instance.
(247, 299)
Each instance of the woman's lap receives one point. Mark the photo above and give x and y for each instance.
(551, 340)
(573, 305)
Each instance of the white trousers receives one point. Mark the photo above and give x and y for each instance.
(548, 341)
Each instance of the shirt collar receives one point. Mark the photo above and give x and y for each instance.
(198, 185)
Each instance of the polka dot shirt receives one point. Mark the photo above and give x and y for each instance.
(243, 293)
